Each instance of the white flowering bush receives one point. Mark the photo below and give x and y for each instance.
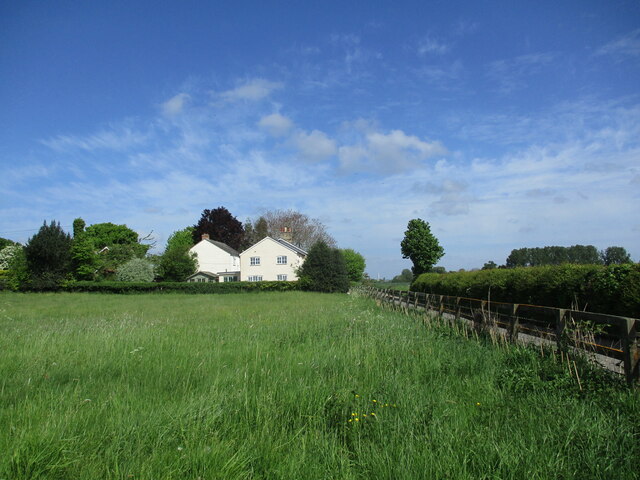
(136, 270)
(6, 254)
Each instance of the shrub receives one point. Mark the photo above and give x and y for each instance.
(179, 287)
(136, 270)
(614, 289)
(324, 270)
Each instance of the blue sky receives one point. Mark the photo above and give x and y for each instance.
(502, 124)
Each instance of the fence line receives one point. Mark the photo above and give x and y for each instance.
(610, 336)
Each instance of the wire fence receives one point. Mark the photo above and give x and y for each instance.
(610, 340)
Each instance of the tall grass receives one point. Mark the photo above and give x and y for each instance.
(288, 385)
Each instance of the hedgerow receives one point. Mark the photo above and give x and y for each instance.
(613, 289)
(178, 287)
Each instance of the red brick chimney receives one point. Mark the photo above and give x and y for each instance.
(205, 236)
(286, 234)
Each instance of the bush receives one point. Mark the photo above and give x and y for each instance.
(614, 289)
(136, 270)
(324, 270)
(179, 287)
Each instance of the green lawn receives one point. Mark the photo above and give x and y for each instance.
(288, 385)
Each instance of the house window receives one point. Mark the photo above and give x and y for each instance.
(282, 260)
(282, 278)
(255, 278)
(255, 261)
(230, 278)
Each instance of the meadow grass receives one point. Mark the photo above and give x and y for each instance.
(289, 385)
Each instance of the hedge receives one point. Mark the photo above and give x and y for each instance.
(178, 287)
(613, 289)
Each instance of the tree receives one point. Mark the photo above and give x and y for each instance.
(221, 226)
(324, 270)
(48, 256)
(615, 256)
(176, 263)
(405, 276)
(5, 242)
(254, 232)
(303, 230)
(355, 264)
(420, 246)
(490, 265)
(78, 227)
(136, 270)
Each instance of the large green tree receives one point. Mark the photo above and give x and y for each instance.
(221, 226)
(355, 264)
(615, 256)
(176, 263)
(420, 246)
(48, 256)
(324, 270)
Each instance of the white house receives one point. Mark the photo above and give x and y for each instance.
(215, 260)
(271, 260)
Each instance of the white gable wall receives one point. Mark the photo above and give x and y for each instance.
(268, 250)
(211, 258)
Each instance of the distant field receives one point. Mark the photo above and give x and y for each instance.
(288, 385)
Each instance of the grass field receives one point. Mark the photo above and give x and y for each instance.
(289, 385)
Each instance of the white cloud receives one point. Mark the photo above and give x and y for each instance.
(255, 89)
(175, 105)
(390, 153)
(315, 146)
(275, 124)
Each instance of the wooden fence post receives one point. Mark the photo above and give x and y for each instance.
(561, 340)
(514, 324)
(630, 350)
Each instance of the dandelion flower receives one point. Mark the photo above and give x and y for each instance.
(478, 404)
(373, 414)
(374, 401)
(357, 419)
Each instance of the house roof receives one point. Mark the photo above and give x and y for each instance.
(224, 247)
(292, 246)
(203, 273)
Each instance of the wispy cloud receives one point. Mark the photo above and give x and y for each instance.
(314, 146)
(514, 74)
(119, 139)
(432, 46)
(623, 47)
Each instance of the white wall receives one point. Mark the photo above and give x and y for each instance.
(211, 258)
(269, 250)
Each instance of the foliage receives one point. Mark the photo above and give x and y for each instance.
(78, 227)
(109, 234)
(254, 232)
(5, 242)
(405, 276)
(48, 255)
(221, 226)
(304, 231)
(536, 257)
(615, 256)
(136, 270)
(18, 276)
(176, 263)
(84, 259)
(421, 246)
(355, 263)
(6, 254)
(324, 270)
(614, 289)
(490, 265)
(179, 287)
